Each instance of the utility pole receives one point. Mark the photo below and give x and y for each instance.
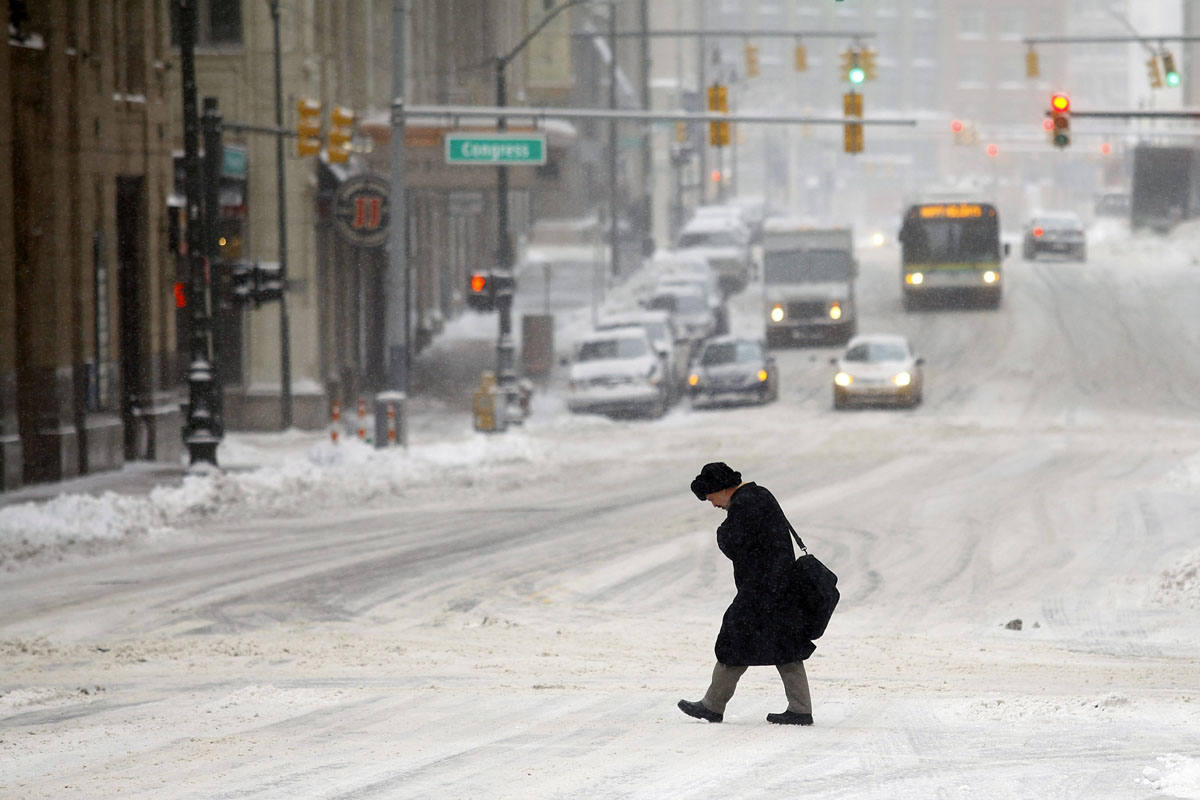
(200, 431)
(702, 86)
(396, 321)
(285, 349)
(613, 228)
(646, 215)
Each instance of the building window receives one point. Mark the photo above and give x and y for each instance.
(971, 23)
(218, 23)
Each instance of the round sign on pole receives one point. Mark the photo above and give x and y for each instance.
(361, 211)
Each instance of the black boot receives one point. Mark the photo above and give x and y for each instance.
(699, 711)
(790, 718)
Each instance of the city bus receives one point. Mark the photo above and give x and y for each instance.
(951, 248)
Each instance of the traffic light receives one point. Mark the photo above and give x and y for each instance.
(1156, 81)
(992, 150)
(308, 127)
(867, 62)
(268, 282)
(1169, 72)
(241, 278)
(1060, 114)
(1032, 68)
(956, 127)
(718, 101)
(481, 292)
(852, 69)
(341, 131)
(751, 60)
(852, 131)
(801, 58)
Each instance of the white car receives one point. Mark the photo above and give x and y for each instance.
(705, 284)
(617, 372)
(725, 244)
(689, 308)
(672, 346)
(878, 368)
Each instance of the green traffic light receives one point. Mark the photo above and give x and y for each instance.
(857, 75)
(1172, 79)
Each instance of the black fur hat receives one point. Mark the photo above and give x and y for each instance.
(713, 478)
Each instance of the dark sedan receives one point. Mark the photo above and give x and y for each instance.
(1059, 233)
(733, 369)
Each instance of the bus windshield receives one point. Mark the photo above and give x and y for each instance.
(807, 266)
(948, 239)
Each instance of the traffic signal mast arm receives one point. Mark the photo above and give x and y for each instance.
(454, 114)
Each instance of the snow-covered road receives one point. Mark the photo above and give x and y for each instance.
(516, 616)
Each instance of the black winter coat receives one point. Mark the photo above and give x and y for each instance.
(761, 625)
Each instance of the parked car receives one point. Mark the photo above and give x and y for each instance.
(725, 244)
(706, 284)
(673, 347)
(617, 372)
(878, 368)
(733, 369)
(689, 308)
(1055, 232)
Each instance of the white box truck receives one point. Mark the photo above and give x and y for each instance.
(808, 283)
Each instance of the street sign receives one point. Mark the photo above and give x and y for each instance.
(495, 148)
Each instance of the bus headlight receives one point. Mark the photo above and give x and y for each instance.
(915, 278)
(835, 311)
(902, 379)
(777, 314)
(991, 276)
(843, 379)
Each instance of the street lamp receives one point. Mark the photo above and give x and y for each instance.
(507, 379)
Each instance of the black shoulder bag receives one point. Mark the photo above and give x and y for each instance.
(814, 590)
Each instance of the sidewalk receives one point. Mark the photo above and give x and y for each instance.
(444, 375)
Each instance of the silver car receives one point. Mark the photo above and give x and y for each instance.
(878, 368)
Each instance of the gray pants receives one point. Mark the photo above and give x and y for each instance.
(725, 680)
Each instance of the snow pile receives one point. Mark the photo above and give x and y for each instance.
(20, 700)
(327, 476)
(1175, 775)
(1024, 707)
(1180, 585)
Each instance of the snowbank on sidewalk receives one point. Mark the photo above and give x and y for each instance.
(325, 477)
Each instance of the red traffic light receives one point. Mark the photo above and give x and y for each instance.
(1060, 102)
(478, 282)
(993, 150)
(956, 126)
(1105, 148)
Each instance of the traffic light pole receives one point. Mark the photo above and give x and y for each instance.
(285, 349)
(214, 155)
(506, 379)
(200, 433)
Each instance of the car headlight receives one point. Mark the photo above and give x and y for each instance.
(916, 279)
(835, 311)
(762, 376)
(843, 379)
(991, 276)
(777, 314)
(902, 379)
(693, 379)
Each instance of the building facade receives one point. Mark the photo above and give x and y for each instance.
(87, 336)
